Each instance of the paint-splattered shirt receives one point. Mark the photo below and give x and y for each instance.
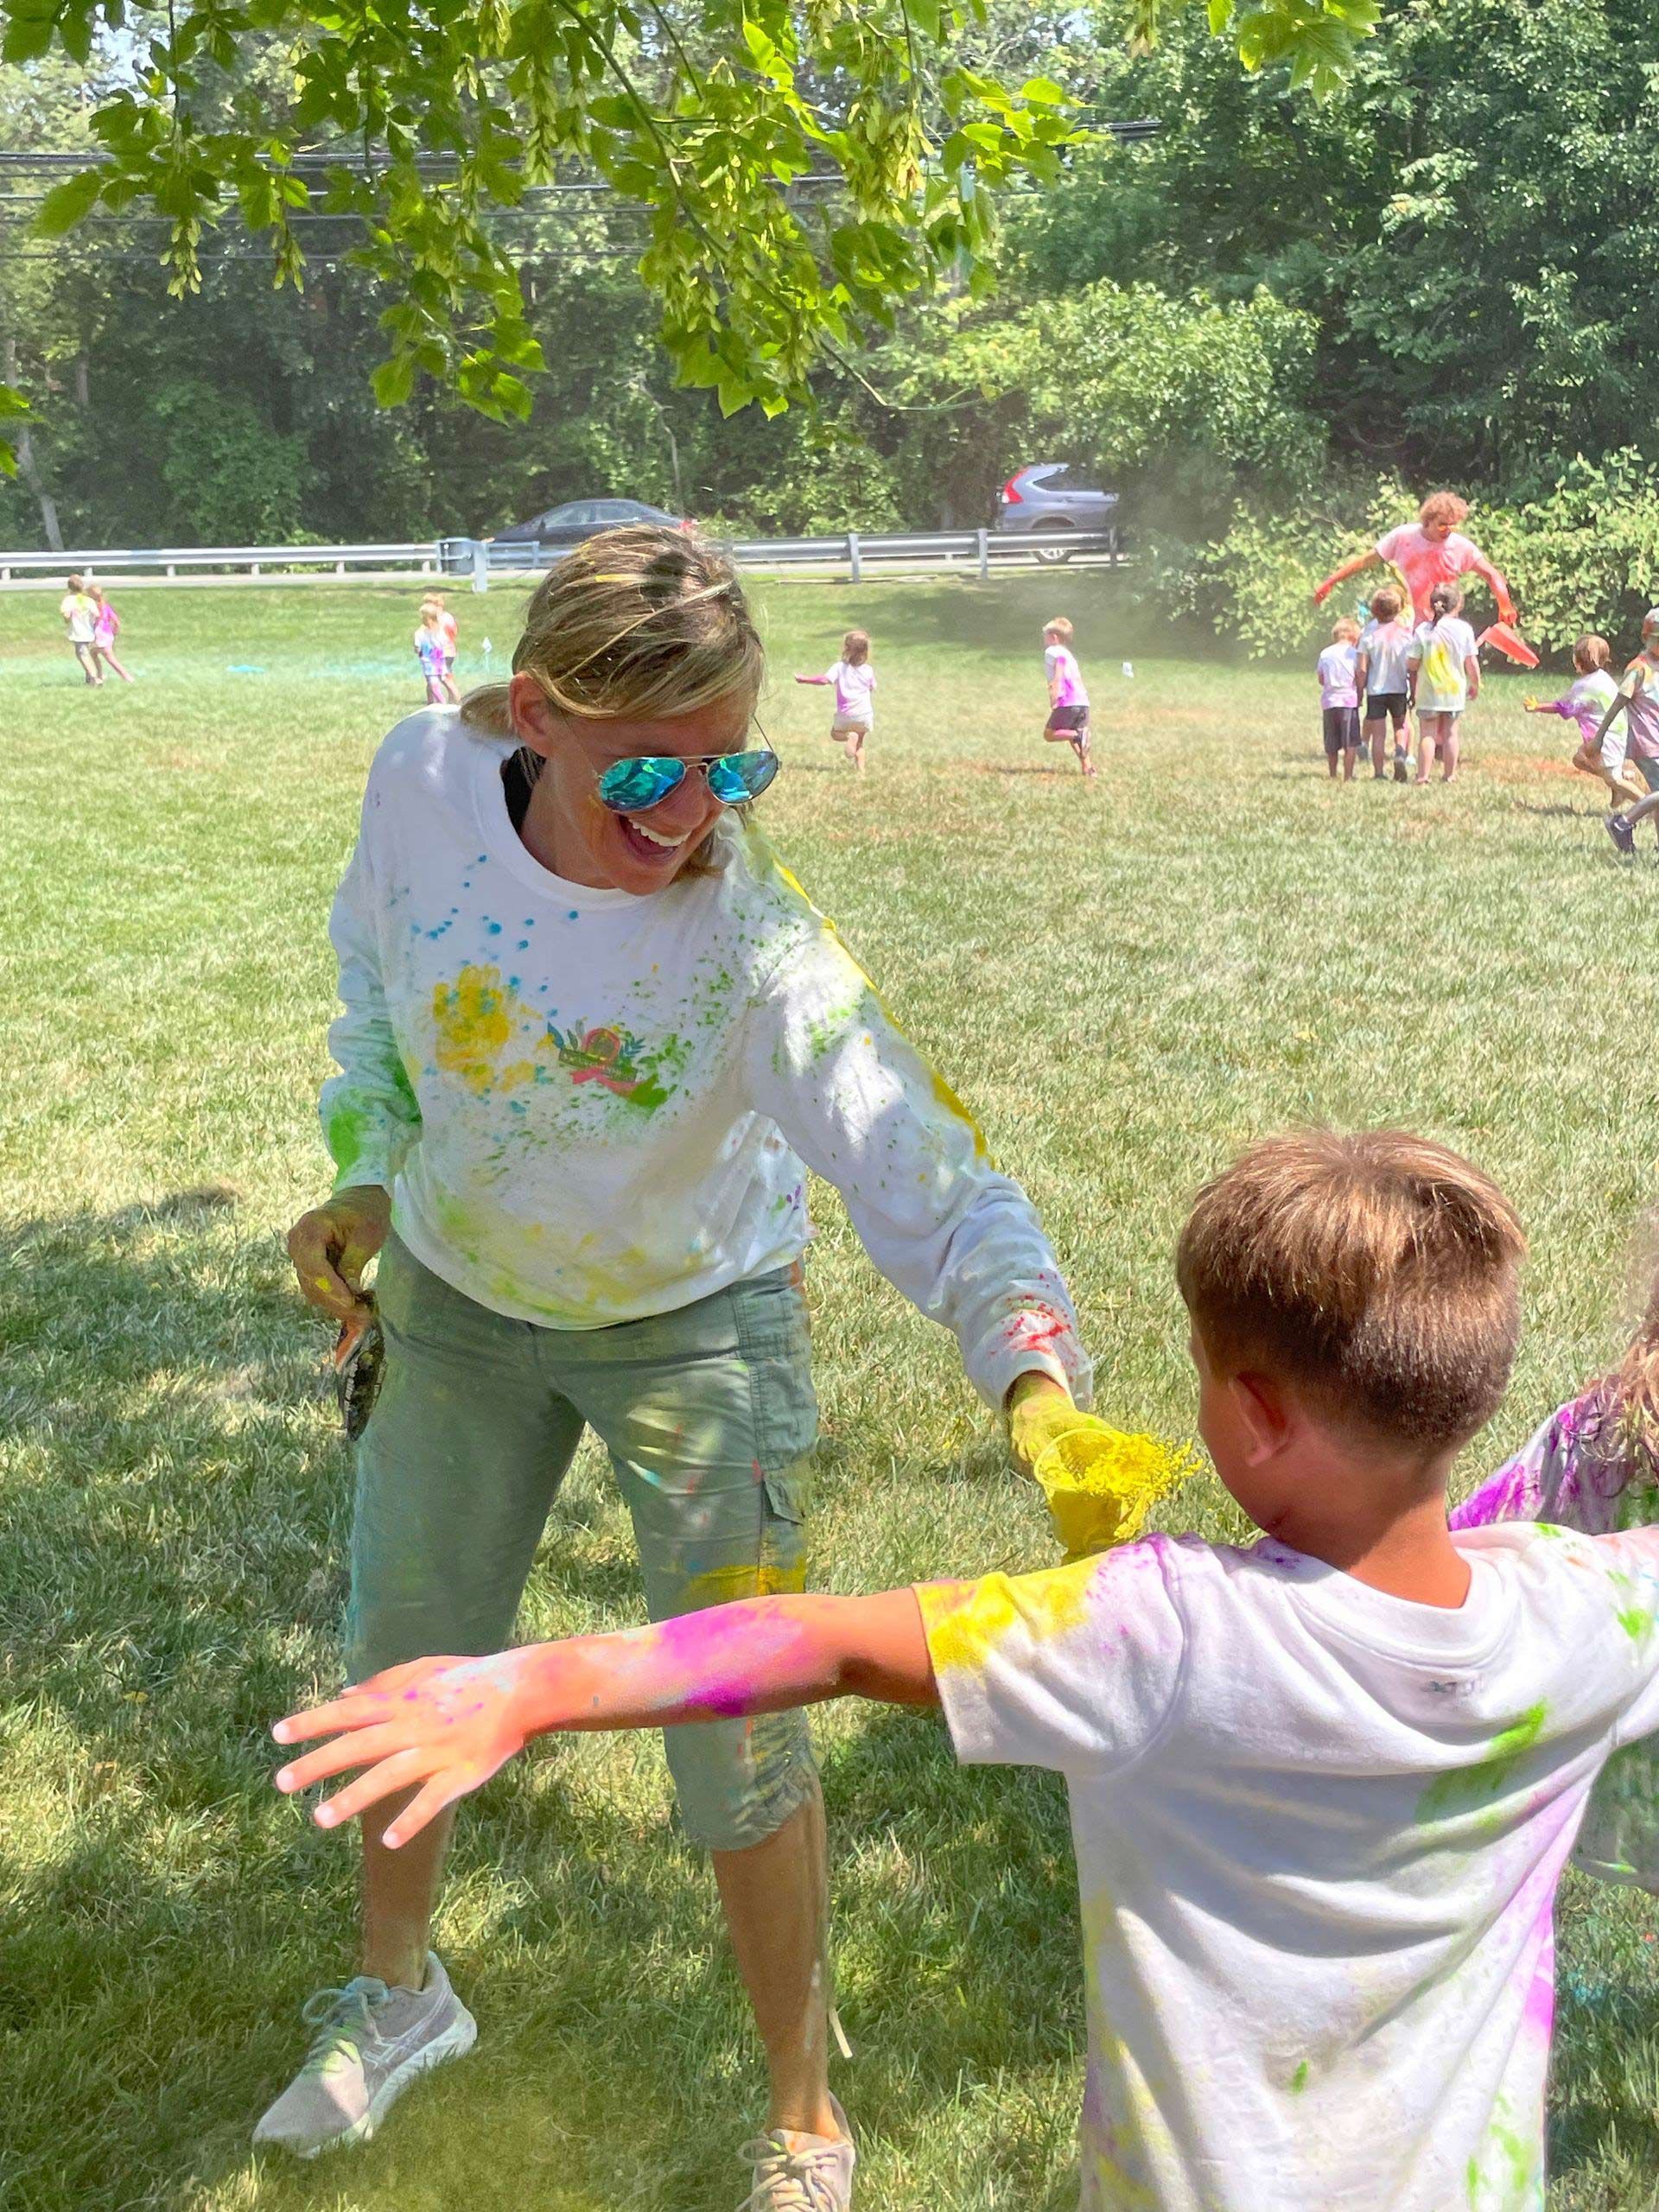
(1585, 701)
(1065, 683)
(1440, 652)
(1583, 1470)
(1424, 562)
(1319, 1831)
(592, 1107)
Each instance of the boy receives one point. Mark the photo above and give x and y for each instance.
(1068, 699)
(1384, 643)
(1339, 698)
(1638, 702)
(1429, 551)
(1322, 1786)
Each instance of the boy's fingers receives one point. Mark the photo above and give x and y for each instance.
(352, 1711)
(391, 1775)
(442, 1790)
(358, 1747)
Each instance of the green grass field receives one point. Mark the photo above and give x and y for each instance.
(1126, 982)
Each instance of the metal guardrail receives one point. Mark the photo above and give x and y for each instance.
(850, 554)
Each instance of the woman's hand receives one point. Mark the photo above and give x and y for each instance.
(331, 1246)
(447, 1724)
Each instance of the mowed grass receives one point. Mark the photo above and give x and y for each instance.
(1126, 982)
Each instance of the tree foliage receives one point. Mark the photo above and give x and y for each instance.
(719, 118)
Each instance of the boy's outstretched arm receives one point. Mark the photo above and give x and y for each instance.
(448, 1725)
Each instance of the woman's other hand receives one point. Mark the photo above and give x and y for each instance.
(331, 1246)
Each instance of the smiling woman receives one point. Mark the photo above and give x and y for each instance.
(593, 1036)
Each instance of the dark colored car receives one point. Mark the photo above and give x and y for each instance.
(579, 518)
(1051, 498)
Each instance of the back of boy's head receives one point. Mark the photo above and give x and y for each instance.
(1376, 1275)
(855, 647)
(1444, 599)
(1344, 631)
(1385, 605)
(1060, 628)
(1591, 652)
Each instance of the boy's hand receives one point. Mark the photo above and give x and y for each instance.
(331, 1246)
(449, 1724)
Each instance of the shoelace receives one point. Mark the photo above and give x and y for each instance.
(789, 2181)
(341, 2019)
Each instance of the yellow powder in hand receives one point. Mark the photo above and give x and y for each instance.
(1101, 1484)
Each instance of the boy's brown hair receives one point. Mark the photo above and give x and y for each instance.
(1443, 506)
(1591, 652)
(1385, 604)
(1060, 628)
(1376, 1273)
(856, 648)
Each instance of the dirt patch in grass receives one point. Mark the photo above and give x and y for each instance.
(1528, 768)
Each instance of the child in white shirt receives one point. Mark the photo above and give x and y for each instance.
(853, 679)
(1593, 689)
(1322, 1786)
(1445, 676)
(1381, 674)
(1339, 698)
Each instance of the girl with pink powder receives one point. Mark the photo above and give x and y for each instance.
(1068, 697)
(853, 679)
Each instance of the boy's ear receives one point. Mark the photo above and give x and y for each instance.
(1264, 1413)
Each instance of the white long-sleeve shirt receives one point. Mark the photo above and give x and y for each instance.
(590, 1106)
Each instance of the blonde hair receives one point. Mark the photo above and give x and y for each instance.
(1591, 652)
(1344, 629)
(855, 647)
(1377, 1273)
(1443, 506)
(1060, 628)
(641, 621)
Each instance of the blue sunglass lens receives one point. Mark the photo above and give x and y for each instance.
(630, 786)
(742, 776)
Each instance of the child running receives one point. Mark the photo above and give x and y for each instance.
(853, 678)
(1383, 676)
(1637, 700)
(1322, 1786)
(1445, 677)
(1588, 697)
(1339, 699)
(106, 628)
(1068, 697)
(451, 630)
(79, 614)
(429, 650)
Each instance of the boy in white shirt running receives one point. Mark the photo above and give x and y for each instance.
(1322, 1786)
(1068, 695)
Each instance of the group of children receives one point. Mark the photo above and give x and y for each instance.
(436, 636)
(1394, 668)
(853, 680)
(93, 626)
(1323, 1785)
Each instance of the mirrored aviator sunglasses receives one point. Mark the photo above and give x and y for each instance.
(632, 786)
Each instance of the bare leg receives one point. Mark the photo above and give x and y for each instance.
(1449, 748)
(1350, 756)
(1429, 727)
(775, 1900)
(88, 660)
(400, 1889)
(110, 661)
(1376, 735)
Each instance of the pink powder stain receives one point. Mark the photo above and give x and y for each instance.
(713, 1658)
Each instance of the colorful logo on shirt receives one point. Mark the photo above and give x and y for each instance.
(612, 1057)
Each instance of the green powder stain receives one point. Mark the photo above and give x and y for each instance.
(1299, 2079)
(1636, 1623)
(1474, 1786)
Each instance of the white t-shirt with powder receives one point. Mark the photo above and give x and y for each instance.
(1385, 645)
(1441, 651)
(1318, 1831)
(591, 1107)
(855, 682)
(1337, 674)
(1064, 677)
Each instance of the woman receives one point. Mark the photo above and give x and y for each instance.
(592, 1031)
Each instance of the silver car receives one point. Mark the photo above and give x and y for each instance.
(1051, 497)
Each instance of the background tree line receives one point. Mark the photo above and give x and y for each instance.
(1270, 325)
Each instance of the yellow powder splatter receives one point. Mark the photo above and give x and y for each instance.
(475, 1017)
(966, 1621)
(1100, 1483)
(723, 1585)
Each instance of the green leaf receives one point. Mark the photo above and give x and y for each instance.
(67, 203)
(394, 380)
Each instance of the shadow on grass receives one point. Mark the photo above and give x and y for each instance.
(172, 1581)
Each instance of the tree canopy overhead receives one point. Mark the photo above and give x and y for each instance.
(802, 167)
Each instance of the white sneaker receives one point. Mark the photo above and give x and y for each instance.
(371, 2042)
(801, 2173)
